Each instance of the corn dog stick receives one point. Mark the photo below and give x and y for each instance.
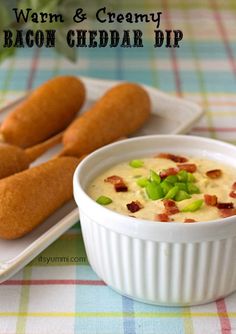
(29, 197)
(36, 151)
(120, 112)
(48, 110)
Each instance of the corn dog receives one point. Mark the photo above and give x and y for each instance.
(29, 197)
(48, 110)
(14, 159)
(120, 112)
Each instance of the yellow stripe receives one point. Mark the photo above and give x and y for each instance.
(186, 314)
(24, 302)
(188, 323)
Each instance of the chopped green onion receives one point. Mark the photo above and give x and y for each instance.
(142, 182)
(172, 192)
(183, 176)
(154, 191)
(104, 200)
(166, 186)
(192, 189)
(171, 179)
(136, 163)
(182, 195)
(194, 206)
(191, 177)
(181, 186)
(154, 177)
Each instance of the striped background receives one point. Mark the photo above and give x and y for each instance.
(69, 297)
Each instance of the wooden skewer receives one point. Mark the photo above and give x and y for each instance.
(36, 151)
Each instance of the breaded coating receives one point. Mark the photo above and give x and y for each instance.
(29, 197)
(120, 112)
(48, 110)
(13, 159)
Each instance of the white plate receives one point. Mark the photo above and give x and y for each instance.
(170, 115)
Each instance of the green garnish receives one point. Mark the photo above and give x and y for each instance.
(192, 189)
(171, 179)
(177, 187)
(182, 195)
(172, 192)
(154, 177)
(142, 182)
(166, 186)
(154, 191)
(194, 206)
(136, 163)
(181, 186)
(104, 200)
(191, 177)
(182, 176)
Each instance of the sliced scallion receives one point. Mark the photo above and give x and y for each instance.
(166, 186)
(172, 192)
(142, 182)
(136, 163)
(194, 206)
(154, 191)
(154, 177)
(193, 189)
(171, 179)
(104, 200)
(181, 195)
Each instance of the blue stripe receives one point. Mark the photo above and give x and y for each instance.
(128, 321)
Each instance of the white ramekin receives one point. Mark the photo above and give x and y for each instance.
(158, 263)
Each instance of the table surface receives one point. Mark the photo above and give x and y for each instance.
(53, 295)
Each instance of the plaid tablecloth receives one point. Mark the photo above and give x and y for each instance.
(58, 292)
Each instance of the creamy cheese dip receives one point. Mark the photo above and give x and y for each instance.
(222, 186)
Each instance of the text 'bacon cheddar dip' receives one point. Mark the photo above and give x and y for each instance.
(168, 188)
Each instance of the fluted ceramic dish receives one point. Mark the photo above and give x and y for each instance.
(155, 262)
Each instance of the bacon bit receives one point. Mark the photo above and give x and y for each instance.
(118, 183)
(162, 217)
(175, 158)
(229, 205)
(227, 212)
(134, 206)
(114, 179)
(232, 194)
(121, 187)
(189, 220)
(170, 207)
(210, 200)
(214, 173)
(170, 171)
(234, 186)
(191, 168)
